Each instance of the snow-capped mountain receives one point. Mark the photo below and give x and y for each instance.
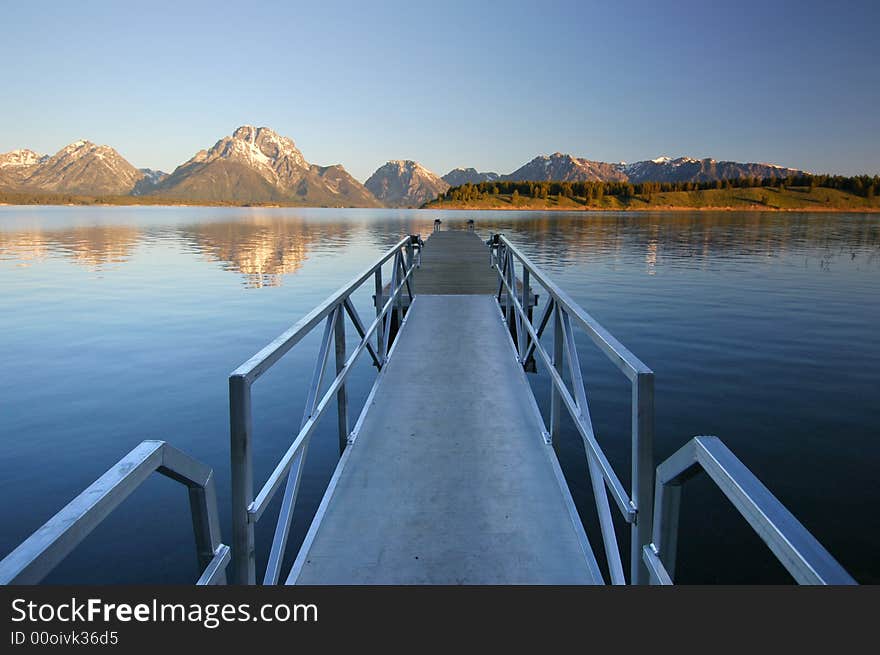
(256, 164)
(459, 176)
(81, 167)
(21, 158)
(565, 168)
(688, 169)
(560, 167)
(405, 183)
(17, 165)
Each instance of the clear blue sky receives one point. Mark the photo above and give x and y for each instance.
(488, 85)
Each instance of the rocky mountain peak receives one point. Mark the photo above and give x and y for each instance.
(565, 168)
(257, 147)
(405, 183)
(80, 167)
(246, 132)
(76, 145)
(84, 147)
(257, 164)
(21, 158)
(406, 165)
(459, 176)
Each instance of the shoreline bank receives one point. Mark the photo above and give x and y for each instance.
(472, 208)
(671, 208)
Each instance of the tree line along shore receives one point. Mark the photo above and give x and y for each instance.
(800, 193)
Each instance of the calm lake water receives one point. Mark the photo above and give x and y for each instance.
(122, 324)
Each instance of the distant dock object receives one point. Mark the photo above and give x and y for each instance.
(448, 474)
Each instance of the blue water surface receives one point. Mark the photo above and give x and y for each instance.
(123, 324)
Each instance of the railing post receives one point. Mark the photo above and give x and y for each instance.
(241, 437)
(206, 522)
(511, 281)
(398, 299)
(387, 318)
(555, 397)
(524, 339)
(642, 472)
(667, 504)
(380, 329)
(341, 395)
(409, 265)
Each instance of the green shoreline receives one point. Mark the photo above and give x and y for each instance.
(661, 208)
(761, 199)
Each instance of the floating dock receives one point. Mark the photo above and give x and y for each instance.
(448, 480)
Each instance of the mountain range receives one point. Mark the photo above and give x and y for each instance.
(254, 164)
(257, 165)
(409, 184)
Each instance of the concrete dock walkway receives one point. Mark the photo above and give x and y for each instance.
(449, 480)
(455, 262)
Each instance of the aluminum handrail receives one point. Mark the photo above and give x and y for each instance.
(619, 354)
(40, 553)
(565, 313)
(247, 508)
(268, 491)
(654, 533)
(263, 360)
(793, 545)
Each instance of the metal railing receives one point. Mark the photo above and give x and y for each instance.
(635, 507)
(654, 530)
(35, 558)
(798, 550)
(247, 509)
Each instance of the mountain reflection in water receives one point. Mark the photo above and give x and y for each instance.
(265, 248)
